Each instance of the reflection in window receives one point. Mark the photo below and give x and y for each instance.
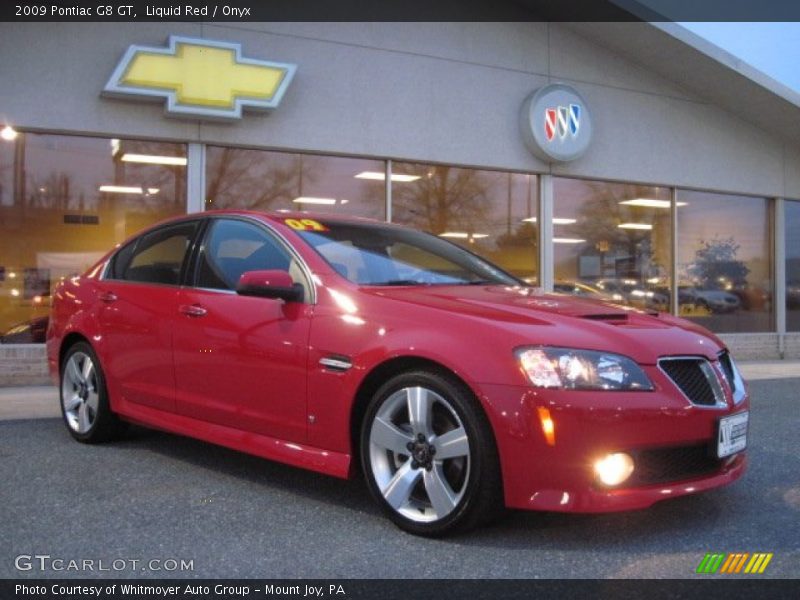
(491, 213)
(724, 265)
(65, 201)
(792, 220)
(612, 242)
(273, 181)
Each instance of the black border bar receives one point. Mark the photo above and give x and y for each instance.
(397, 10)
(730, 588)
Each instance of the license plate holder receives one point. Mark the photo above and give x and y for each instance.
(732, 434)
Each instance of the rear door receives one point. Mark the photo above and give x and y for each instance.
(138, 299)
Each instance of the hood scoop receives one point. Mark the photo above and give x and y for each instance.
(608, 317)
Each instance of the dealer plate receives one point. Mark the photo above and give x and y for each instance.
(732, 436)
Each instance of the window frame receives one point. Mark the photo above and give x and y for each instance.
(198, 248)
(109, 271)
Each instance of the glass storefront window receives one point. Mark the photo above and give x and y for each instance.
(275, 181)
(491, 213)
(724, 261)
(64, 202)
(792, 220)
(612, 242)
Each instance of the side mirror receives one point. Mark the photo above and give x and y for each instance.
(269, 284)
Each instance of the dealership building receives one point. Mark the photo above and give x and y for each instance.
(633, 162)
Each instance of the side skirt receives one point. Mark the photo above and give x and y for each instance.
(304, 456)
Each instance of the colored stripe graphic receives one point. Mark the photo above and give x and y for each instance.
(734, 562)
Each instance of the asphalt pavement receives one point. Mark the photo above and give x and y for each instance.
(155, 496)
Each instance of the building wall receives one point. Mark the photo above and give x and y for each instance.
(437, 92)
(428, 92)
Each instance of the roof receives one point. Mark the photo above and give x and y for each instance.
(705, 70)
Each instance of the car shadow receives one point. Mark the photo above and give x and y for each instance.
(679, 519)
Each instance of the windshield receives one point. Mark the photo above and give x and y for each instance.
(370, 254)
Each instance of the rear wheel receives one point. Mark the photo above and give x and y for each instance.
(84, 398)
(429, 455)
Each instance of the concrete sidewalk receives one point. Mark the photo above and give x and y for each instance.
(41, 402)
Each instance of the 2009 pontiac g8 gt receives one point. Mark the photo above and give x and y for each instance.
(332, 343)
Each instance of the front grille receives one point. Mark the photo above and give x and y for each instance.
(694, 378)
(664, 465)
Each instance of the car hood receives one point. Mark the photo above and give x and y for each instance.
(533, 317)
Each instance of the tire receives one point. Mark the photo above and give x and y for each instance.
(429, 456)
(84, 397)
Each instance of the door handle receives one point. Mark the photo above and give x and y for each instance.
(108, 297)
(192, 310)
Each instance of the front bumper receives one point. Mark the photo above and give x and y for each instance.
(590, 424)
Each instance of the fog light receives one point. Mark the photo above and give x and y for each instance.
(613, 469)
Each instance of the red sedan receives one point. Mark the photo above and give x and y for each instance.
(331, 343)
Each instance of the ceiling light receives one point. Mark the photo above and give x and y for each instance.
(560, 240)
(643, 226)
(378, 176)
(152, 190)
(312, 200)
(8, 133)
(651, 203)
(121, 189)
(454, 234)
(153, 159)
(479, 236)
(556, 220)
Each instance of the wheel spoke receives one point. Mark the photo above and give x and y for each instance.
(86, 371)
(92, 401)
(420, 410)
(387, 435)
(452, 444)
(439, 492)
(399, 488)
(73, 372)
(83, 419)
(72, 402)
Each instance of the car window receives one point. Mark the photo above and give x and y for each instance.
(232, 247)
(374, 254)
(158, 256)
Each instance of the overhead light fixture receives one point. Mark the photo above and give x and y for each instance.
(378, 176)
(121, 189)
(153, 190)
(651, 203)
(560, 240)
(153, 159)
(8, 133)
(556, 220)
(313, 200)
(454, 234)
(642, 226)
(479, 236)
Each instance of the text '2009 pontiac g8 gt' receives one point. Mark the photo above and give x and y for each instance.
(332, 343)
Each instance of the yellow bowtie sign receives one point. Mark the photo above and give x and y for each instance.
(200, 79)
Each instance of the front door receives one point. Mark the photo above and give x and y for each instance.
(240, 361)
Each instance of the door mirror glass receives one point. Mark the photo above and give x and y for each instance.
(270, 284)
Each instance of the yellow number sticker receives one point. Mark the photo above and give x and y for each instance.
(305, 225)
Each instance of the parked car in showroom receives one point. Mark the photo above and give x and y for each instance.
(28, 332)
(715, 301)
(341, 345)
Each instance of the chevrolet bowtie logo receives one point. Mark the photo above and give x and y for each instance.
(200, 78)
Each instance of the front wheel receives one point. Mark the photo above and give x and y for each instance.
(84, 397)
(429, 455)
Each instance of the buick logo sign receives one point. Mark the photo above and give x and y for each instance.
(556, 125)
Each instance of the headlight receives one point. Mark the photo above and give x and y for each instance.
(572, 369)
